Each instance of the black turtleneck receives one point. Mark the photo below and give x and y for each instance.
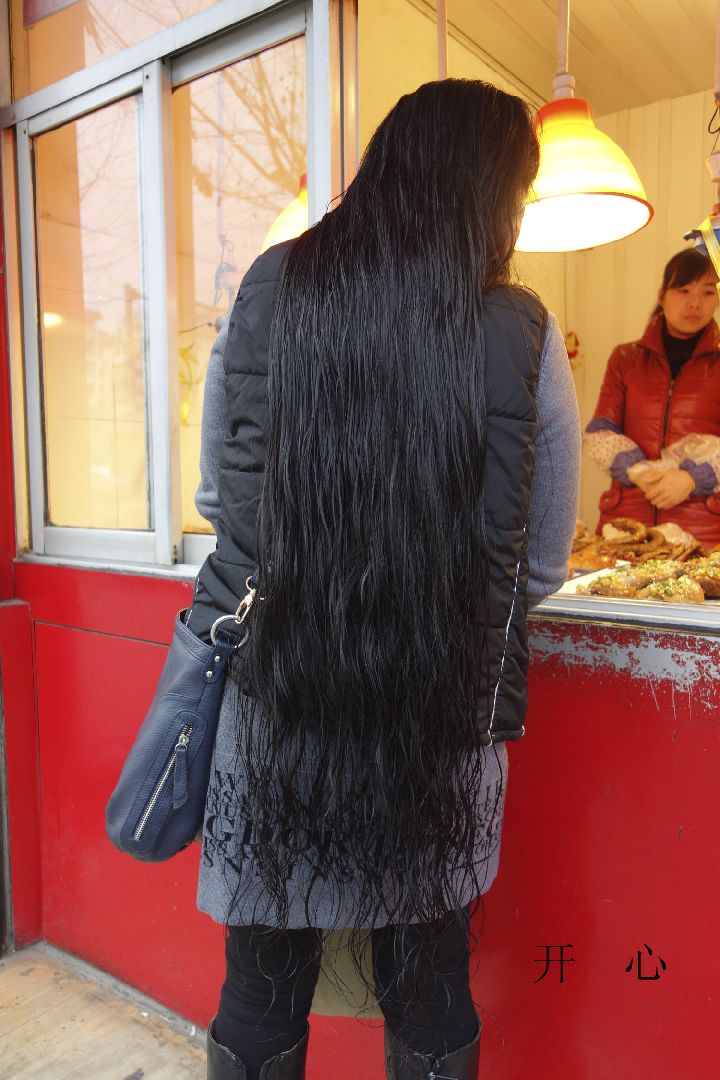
(678, 350)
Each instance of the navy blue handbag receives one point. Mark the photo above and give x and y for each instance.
(157, 807)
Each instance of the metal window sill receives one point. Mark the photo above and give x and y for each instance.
(643, 613)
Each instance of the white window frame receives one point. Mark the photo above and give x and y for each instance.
(205, 42)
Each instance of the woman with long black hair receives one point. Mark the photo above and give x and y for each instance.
(394, 441)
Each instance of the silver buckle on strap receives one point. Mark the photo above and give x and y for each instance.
(239, 617)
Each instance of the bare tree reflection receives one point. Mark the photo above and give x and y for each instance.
(112, 28)
(265, 126)
(239, 152)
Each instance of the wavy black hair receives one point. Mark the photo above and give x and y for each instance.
(359, 739)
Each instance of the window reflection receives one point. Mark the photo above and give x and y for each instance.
(91, 321)
(89, 31)
(240, 147)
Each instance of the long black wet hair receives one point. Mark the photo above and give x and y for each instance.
(359, 742)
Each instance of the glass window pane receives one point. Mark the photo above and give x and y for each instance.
(89, 30)
(91, 320)
(240, 148)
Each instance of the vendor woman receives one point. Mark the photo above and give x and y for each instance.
(656, 428)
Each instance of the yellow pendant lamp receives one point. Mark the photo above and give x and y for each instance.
(587, 192)
(291, 221)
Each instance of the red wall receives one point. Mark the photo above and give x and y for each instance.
(610, 841)
(7, 518)
(17, 720)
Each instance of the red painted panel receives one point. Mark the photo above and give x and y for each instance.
(137, 921)
(21, 751)
(7, 497)
(610, 842)
(130, 605)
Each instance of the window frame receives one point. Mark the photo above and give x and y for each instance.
(203, 43)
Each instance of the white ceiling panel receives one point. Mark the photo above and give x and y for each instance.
(623, 53)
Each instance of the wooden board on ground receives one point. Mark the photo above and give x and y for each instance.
(56, 1022)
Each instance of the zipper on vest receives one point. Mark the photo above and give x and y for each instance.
(177, 761)
(666, 418)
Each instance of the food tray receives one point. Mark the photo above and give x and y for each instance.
(584, 577)
(570, 589)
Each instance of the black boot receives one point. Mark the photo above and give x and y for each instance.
(222, 1064)
(404, 1064)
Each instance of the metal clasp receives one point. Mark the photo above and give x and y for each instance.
(246, 603)
(239, 617)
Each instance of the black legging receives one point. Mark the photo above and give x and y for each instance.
(256, 1026)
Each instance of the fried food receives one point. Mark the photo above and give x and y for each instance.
(624, 530)
(674, 534)
(656, 555)
(655, 546)
(707, 574)
(628, 582)
(589, 558)
(581, 534)
(608, 585)
(583, 541)
(683, 552)
(682, 589)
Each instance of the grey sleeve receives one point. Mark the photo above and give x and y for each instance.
(213, 431)
(556, 480)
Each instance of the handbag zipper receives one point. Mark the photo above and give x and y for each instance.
(180, 746)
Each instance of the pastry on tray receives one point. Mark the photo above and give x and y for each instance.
(581, 533)
(589, 558)
(646, 563)
(707, 574)
(674, 534)
(672, 580)
(624, 530)
(627, 540)
(681, 589)
(628, 581)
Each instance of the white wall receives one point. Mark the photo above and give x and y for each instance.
(397, 52)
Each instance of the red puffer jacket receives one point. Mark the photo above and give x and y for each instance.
(639, 396)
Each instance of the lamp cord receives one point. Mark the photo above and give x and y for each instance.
(442, 39)
(564, 83)
(563, 37)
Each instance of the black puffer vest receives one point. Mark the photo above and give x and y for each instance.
(514, 330)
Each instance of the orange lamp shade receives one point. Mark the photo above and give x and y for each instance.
(587, 192)
(291, 221)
